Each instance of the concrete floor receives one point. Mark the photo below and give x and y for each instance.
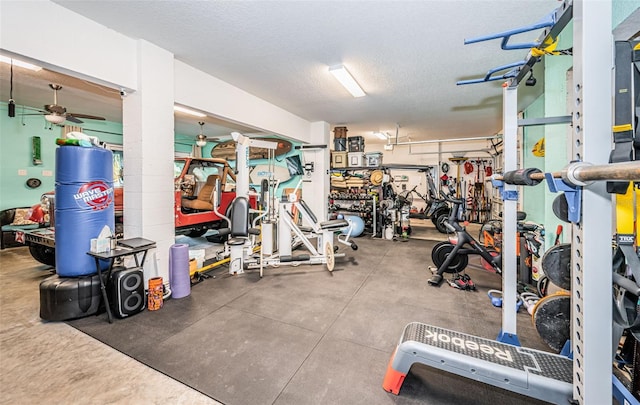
(294, 337)
(54, 363)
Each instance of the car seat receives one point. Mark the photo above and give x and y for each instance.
(204, 199)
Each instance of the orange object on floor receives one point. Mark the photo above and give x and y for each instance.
(393, 379)
(155, 298)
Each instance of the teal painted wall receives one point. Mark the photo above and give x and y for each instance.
(621, 9)
(16, 136)
(533, 197)
(537, 201)
(15, 154)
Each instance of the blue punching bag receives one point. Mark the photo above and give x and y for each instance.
(84, 205)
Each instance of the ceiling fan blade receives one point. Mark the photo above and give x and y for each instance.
(87, 116)
(73, 119)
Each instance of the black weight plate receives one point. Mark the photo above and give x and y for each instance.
(552, 319)
(561, 208)
(439, 254)
(556, 265)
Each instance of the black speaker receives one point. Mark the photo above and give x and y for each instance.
(127, 291)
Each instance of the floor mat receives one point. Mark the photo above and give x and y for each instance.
(303, 335)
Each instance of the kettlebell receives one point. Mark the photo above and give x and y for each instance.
(496, 298)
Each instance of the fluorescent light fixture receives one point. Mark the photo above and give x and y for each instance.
(188, 111)
(16, 62)
(382, 135)
(344, 77)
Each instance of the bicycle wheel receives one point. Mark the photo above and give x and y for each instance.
(440, 253)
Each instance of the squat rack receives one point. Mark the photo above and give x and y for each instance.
(591, 254)
(591, 236)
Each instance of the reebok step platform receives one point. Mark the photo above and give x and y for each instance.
(529, 372)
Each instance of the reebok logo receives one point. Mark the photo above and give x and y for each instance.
(464, 344)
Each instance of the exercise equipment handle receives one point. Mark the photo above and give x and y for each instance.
(523, 177)
(489, 77)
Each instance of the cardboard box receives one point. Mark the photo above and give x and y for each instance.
(338, 160)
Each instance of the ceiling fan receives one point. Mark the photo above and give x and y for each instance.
(201, 138)
(57, 114)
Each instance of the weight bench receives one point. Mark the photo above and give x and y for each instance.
(529, 372)
(330, 225)
(323, 231)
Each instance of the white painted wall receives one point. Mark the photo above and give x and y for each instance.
(315, 188)
(196, 89)
(148, 156)
(58, 39)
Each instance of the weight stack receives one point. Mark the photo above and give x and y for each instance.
(84, 205)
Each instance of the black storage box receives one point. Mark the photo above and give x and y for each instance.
(65, 298)
(356, 144)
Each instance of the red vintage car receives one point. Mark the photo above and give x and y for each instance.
(195, 188)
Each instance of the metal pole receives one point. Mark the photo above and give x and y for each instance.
(510, 207)
(591, 239)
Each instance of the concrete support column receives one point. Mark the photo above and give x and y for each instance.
(315, 186)
(148, 140)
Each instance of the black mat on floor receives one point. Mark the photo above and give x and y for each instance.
(303, 335)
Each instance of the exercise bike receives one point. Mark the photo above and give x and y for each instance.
(437, 209)
(453, 256)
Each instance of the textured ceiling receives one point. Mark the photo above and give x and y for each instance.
(407, 55)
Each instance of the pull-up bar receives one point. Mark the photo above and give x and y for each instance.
(553, 24)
